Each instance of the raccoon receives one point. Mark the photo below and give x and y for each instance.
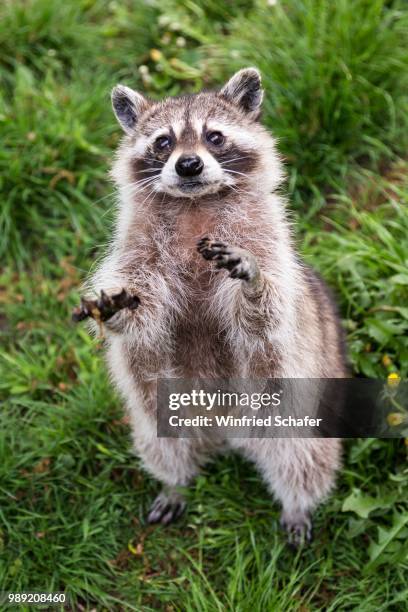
(203, 240)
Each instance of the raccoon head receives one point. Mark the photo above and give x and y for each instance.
(191, 146)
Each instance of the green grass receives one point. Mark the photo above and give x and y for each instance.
(72, 497)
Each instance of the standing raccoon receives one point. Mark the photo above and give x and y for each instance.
(202, 240)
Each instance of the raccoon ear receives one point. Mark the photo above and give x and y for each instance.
(127, 105)
(245, 90)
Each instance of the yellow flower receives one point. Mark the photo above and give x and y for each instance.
(386, 361)
(156, 55)
(393, 379)
(395, 418)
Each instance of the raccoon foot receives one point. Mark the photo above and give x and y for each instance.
(240, 263)
(167, 507)
(103, 308)
(298, 528)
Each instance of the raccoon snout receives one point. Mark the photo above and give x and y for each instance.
(189, 165)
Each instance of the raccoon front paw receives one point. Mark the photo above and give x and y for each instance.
(166, 508)
(298, 529)
(105, 306)
(240, 263)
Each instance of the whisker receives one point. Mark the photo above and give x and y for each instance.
(105, 197)
(240, 191)
(149, 170)
(233, 159)
(236, 172)
(142, 182)
(152, 159)
(149, 197)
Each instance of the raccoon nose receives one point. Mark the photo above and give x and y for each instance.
(189, 165)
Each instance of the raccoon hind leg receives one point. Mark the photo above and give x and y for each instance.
(300, 472)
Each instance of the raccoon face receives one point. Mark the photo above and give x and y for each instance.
(194, 145)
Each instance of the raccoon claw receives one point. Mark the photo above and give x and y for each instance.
(166, 508)
(298, 530)
(104, 307)
(211, 249)
(240, 263)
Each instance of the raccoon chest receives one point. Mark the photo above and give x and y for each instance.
(190, 226)
(200, 346)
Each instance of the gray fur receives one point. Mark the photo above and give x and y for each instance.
(261, 314)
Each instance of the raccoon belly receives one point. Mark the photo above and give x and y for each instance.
(201, 351)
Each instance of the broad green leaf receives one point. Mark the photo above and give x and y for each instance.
(386, 537)
(363, 504)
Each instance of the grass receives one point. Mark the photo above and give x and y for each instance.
(72, 497)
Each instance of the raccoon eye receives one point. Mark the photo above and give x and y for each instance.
(162, 142)
(215, 138)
